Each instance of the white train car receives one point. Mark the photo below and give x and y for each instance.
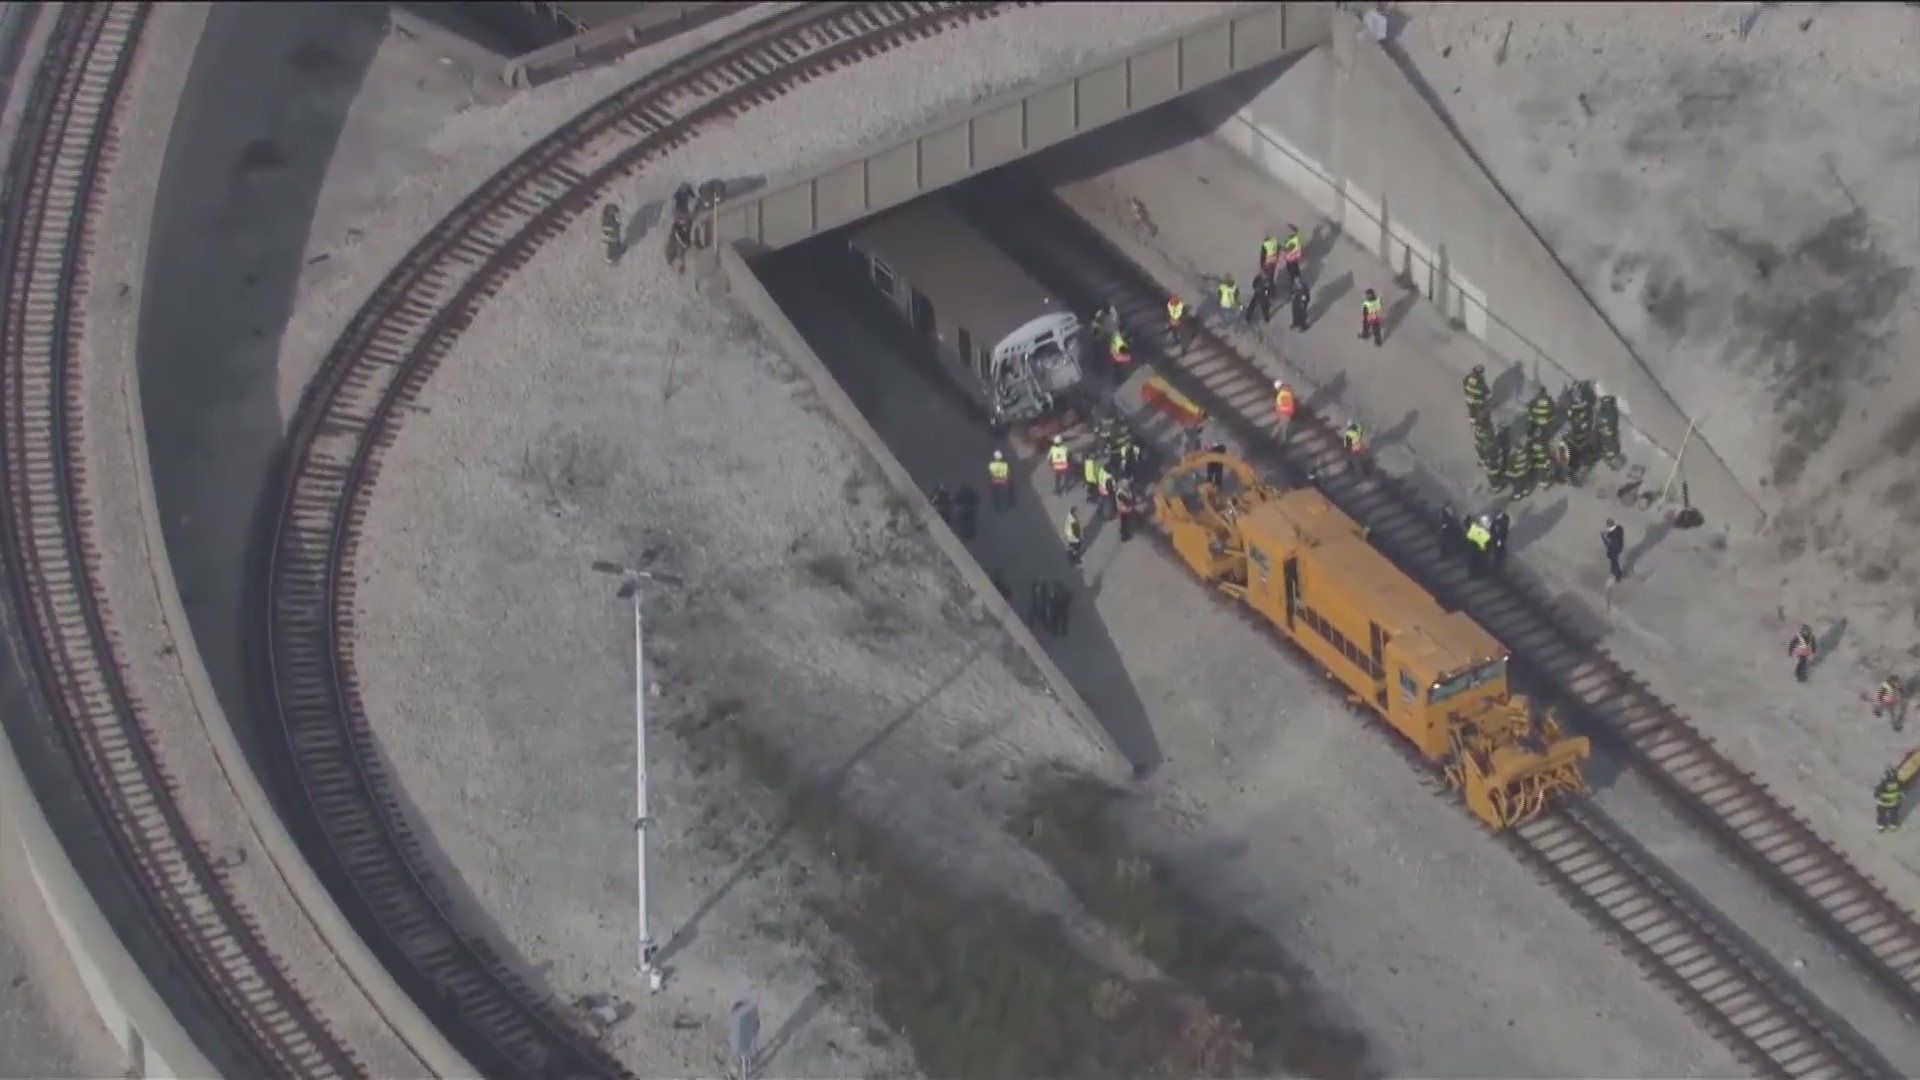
(1009, 345)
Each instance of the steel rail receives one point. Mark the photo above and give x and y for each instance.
(343, 802)
(1088, 270)
(47, 538)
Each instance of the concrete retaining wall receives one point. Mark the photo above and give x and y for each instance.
(752, 296)
(152, 1042)
(1345, 129)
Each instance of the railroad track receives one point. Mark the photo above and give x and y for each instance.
(1085, 269)
(60, 161)
(340, 798)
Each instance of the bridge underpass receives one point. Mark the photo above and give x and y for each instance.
(1019, 123)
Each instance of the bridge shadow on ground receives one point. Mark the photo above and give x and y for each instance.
(940, 439)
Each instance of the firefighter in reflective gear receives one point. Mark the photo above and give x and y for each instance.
(1228, 294)
(1123, 508)
(1803, 648)
(1090, 474)
(1606, 430)
(1118, 353)
(1519, 471)
(1540, 413)
(1478, 537)
(1292, 252)
(1070, 533)
(1560, 459)
(1262, 299)
(1580, 418)
(1176, 322)
(1370, 318)
(1484, 443)
(1496, 461)
(1061, 462)
(1889, 700)
(1888, 794)
(1539, 461)
(610, 231)
(1269, 258)
(1284, 406)
(1000, 481)
(1476, 390)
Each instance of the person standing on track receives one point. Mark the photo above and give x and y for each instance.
(1478, 394)
(1228, 295)
(1613, 539)
(1890, 700)
(1177, 323)
(1284, 406)
(1497, 527)
(610, 234)
(1478, 538)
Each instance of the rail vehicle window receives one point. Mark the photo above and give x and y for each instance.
(1259, 560)
(1409, 690)
(1479, 676)
(963, 341)
(1355, 656)
(883, 277)
(923, 320)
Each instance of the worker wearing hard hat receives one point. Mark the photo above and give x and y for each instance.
(1061, 462)
(1284, 406)
(1478, 537)
(1072, 536)
(1000, 481)
(1888, 794)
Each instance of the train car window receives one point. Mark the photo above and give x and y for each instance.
(1409, 690)
(883, 277)
(1259, 560)
(1467, 680)
(923, 316)
(965, 344)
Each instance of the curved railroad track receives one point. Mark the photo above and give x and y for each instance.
(336, 792)
(1735, 989)
(61, 160)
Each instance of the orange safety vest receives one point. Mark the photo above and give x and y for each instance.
(1283, 403)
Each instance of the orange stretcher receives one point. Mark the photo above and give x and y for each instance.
(1163, 398)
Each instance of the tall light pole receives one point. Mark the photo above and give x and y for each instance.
(630, 579)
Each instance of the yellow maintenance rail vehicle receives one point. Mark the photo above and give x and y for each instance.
(1435, 676)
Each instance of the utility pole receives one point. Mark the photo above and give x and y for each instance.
(630, 590)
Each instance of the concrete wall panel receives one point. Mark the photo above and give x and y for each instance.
(946, 156)
(1021, 123)
(1103, 96)
(999, 136)
(893, 175)
(841, 195)
(1206, 56)
(1154, 77)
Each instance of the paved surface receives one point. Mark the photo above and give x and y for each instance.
(1281, 805)
(1205, 202)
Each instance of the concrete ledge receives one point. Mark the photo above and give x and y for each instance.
(1347, 131)
(152, 1042)
(745, 287)
(609, 43)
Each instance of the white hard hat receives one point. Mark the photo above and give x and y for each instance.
(1279, 383)
(997, 455)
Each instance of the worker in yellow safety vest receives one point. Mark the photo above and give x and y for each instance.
(1061, 462)
(1229, 295)
(1283, 406)
(1370, 318)
(1090, 475)
(1070, 532)
(1293, 251)
(1176, 322)
(1118, 353)
(1269, 257)
(1000, 481)
(1478, 537)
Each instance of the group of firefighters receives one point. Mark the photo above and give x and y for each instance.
(1888, 699)
(688, 224)
(1554, 442)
